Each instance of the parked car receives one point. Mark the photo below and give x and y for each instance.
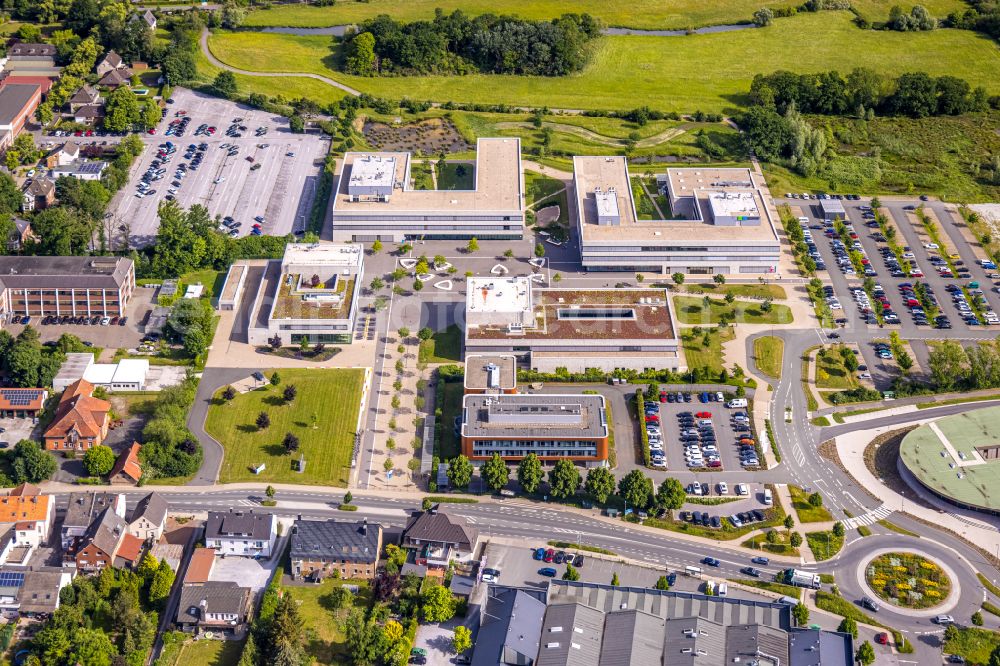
(547, 571)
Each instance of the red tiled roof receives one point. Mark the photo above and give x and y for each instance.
(130, 548)
(128, 462)
(200, 566)
(79, 409)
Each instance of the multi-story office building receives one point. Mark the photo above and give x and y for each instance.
(374, 199)
(74, 286)
(311, 293)
(708, 221)
(575, 329)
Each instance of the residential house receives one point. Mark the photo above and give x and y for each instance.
(82, 510)
(91, 114)
(437, 537)
(127, 470)
(148, 518)
(20, 235)
(100, 546)
(322, 548)
(241, 533)
(81, 420)
(30, 513)
(30, 51)
(85, 96)
(37, 194)
(116, 78)
(81, 170)
(67, 153)
(17, 103)
(110, 62)
(200, 566)
(147, 17)
(39, 594)
(216, 606)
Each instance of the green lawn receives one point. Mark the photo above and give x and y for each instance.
(824, 545)
(211, 279)
(205, 653)
(807, 512)
(709, 72)
(768, 352)
(781, 547)
(648, 14)
(644, 208)
(771, 586)
(830, 370)
(538, 187)
(457, 176)
(844, 608)
(444, 347)
(332, 394)
(691, 310)
(451, 407)
(773, 291)
(420, 173)
(323, 623)
(698, 355)
(974, 644)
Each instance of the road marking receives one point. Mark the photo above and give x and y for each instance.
(869, 518)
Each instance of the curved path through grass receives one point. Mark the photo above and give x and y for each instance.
(590, 135)
(221, 65)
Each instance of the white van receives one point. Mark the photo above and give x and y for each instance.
(694, 572)
(737, 402)
(768, 499)
(723, 589)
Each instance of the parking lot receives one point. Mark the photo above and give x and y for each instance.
(278, 185)
(697, 431)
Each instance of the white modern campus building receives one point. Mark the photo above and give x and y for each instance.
(312, 292)
(576, 329)
(716, 221)
(374, 199)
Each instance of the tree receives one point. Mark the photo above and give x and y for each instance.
(865, 654)
(232, 15)
(229, 393)
(662, 583)
(508, 253)
(795, 539)
(801, 614)
(636, 489)
(816, 500)
(275, 378)
(296, 124)
(286, 639)
(151, 114)
(719, 279)
(848, 626)
(425, 334)
(269, 491)
(290, 392)
(31, 464)
(376, 246)
(730, 298)
(571, 573)
(678, 278)
(99, 460)
(838, 529)
(91, 647)
(25, 359)
(671, 495)
(789, 522)
(388, 465)
(460, 472)
(121, 109)
(461, 640)
(600, 483)
(473, 245)
(290, 442)
(438, 604)
(763, 17)
(163, 580)
(529, 473)
(224, 84)
(403, 332)
(263, 421)
(495, 472)
(539, 250)
(418, 285)
(977, 619)
(994, 656)
(614, 579)
(361, 59)
(950, 632)
(376, 283)
(564, 479)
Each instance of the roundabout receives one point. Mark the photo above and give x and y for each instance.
(907, 580)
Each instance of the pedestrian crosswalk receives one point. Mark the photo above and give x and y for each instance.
(869, 518)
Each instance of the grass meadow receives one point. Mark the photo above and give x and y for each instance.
(709, 72)
(645, 14)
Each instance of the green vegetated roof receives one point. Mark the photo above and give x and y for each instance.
(925, 455)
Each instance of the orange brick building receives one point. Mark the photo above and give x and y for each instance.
(81, 420)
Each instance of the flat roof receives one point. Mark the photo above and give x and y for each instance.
(496, 295)
(568, 314)
(832, 206)
(234, 277)
(603, 172)
(532, 415)
(499, 184)
(332, 255)
(476, 371)
(942, 455)
(733, 203)
(373, 171)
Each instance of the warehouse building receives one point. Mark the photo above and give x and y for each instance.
(704, 221)
(311, 293)
(75, 286)
(374, 198)
(575, 329)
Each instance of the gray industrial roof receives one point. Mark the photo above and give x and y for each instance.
(571, 635)
(632, 637)
(812, 647)
(530, 415)
(329, 539)
(63, 272)
(13, 99)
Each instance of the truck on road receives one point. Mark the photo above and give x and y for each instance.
(802, 578)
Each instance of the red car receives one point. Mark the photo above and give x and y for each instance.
(151, 130)
(652, 418)
(882, 638)
(550, 555)
(704, 415)
(663, 396)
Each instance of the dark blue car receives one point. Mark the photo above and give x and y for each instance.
(547, 571)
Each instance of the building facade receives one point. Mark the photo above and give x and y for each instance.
(324, 548)
(247, 534)
(72, 286)
(81, 421)
(374, 199)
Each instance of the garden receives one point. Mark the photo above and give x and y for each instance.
(907, 580)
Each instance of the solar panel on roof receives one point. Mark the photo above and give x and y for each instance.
(11, 579)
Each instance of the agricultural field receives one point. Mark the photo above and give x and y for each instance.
(644, 14)
(710, 72)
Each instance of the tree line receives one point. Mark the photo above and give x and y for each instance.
(865, 92)
(457, 44)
